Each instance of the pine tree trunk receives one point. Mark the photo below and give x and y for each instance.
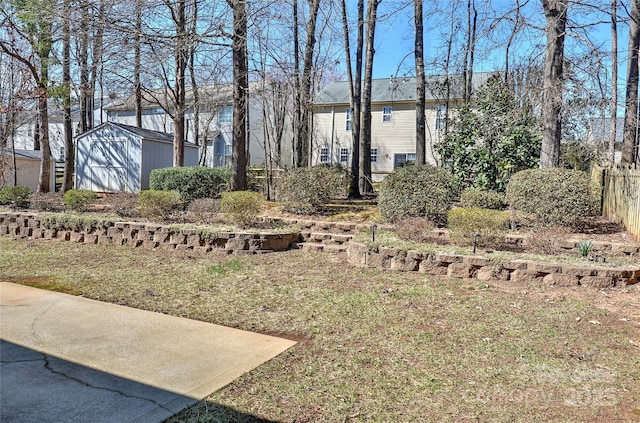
(556, 19)
(420, 85)
(365, 132)
(240, 93)
(630, 136)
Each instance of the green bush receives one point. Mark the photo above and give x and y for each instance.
(482, 199)
(559, 197)
(156, 204)
(491, 226)
(72, 222)
(191, 182)
(18, 196)
(242, 206)
(304, 190)
(416, 191)
(79, 199)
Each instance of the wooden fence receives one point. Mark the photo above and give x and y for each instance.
(620, 200)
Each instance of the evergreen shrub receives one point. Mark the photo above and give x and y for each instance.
(491, 226)
(191, 182)
(242, 206)
(305, 190)
(18, 196)
(415, 191)
(471, 197)
(158, 204)
(79, 199)
(554, 197)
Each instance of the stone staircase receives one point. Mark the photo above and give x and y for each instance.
(324, 236)
(325, 242)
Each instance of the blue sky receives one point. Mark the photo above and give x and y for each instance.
(394, 40)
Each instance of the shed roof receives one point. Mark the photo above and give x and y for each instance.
(23, 154)
(147, 134)
(400, 89)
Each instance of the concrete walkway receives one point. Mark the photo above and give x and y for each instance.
(71, 359)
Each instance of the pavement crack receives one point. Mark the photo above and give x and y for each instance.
(47, 365)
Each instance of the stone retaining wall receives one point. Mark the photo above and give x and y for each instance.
(150, 236)
(483, 269)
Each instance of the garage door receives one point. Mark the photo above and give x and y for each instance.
(109, 166)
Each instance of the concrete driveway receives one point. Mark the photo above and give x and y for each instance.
(71, 359)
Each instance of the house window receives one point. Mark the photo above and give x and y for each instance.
(324, 155)
(400, 160)
(225, 114)
(348, 119)
(30, 131)
(386, 114)
(62, 153)
(441, 116)
(374, 154)
(344, 155)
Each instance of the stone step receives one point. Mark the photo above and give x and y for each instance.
(319, 247)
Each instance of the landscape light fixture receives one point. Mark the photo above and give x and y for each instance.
(373, 232)
(475, 241)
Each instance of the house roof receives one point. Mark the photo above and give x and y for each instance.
(147, 134)
(599, 128)
(23, 154)
(209, 95)
(386, 90)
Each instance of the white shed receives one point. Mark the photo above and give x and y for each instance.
(114, 157)
(27, 169)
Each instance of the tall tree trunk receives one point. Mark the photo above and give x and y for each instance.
(136, 63)
(83, 62)
(469, 50)
(67, 184)
(194, 83)
(614, 83)
(96, 60)
(365, 132)
(355, 86)
(297, 92)
(556, 20)
(630, 136)
(240, 93)
(181, 65)
(303, 143)
(420, 84)
(516, 28)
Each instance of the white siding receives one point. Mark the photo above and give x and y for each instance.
(396, 136)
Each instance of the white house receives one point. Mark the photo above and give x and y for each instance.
(214, 129)
(23, 137)
(393, 120)
(26, 171)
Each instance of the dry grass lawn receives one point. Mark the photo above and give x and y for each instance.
(373, 346)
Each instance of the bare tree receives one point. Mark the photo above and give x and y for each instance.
(614, 82)
(240, 94)
(305, 86)
(630, 135)
(420, 83)
(35, 27)
(67, 184)
(556, 20)
(365, 131)
(355, 92)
